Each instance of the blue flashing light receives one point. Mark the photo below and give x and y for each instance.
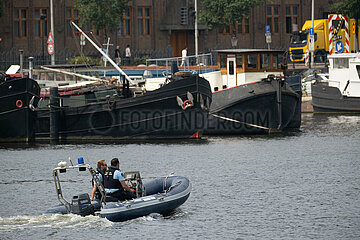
(80, 160)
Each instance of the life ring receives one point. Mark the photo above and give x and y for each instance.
(19, 103)
(187, 104)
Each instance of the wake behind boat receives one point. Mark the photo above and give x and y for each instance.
(160, 195)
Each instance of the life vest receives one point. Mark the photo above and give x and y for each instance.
(109, 181)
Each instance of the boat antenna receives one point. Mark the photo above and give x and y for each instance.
(105, 55)
(71, 161)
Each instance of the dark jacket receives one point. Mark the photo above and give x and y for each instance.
(109, 181)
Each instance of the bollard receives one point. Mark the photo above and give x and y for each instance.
(21, 55)
(31, 59)
(54, 115)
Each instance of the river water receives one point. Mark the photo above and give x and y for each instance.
(303, 185)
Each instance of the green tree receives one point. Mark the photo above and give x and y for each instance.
(103, 14)
(351, 9)
(221, 13)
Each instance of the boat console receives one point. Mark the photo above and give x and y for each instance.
(134, 181)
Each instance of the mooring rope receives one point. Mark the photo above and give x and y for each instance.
(237, 121)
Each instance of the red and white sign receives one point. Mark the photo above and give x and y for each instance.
(50, 38)
(51, 48)
(332, 17)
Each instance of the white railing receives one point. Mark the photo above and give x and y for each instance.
(199, 63)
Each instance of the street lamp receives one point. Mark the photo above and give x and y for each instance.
(42, 17)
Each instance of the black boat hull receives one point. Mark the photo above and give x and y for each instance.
(17, 120)
(154, 115)
(329, 99)
(252, 109)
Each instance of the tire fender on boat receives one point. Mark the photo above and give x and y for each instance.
(187, 104)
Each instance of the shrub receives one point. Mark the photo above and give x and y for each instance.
(84, 60)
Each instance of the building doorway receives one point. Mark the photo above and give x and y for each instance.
(178, 40)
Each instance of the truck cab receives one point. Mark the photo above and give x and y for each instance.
(299, 41)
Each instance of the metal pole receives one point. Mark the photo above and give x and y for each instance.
(43, 55)
(196, 32)
(52, 29)
(105, 55)
(312, 24)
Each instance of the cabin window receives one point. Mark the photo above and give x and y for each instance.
(265, 61)
(231, 67)
(252, 61)
(277, 60)
(41, 23)
(222, 61)
(341, 63)
(21, 22)
(239, 61)
(358, 70)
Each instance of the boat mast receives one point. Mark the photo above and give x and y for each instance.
(105, 55)
(52, 28)
(196, 32)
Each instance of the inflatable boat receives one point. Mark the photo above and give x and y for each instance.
(159, 195)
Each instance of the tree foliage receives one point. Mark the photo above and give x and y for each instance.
(221, 13)
(351, 9)
(103, 14)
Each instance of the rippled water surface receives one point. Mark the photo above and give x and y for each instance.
(302, 185)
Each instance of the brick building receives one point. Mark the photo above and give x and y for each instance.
(157, 28)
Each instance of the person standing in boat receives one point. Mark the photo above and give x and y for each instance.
(100, 171)
(114, 183)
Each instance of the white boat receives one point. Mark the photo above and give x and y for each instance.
(309, 77)
(341, 92)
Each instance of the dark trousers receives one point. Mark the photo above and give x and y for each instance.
(123, 195)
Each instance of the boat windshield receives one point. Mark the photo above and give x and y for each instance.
(298, 38)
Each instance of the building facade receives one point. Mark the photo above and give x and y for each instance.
(156, 28)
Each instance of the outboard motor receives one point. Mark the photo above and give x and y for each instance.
(81, 205)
